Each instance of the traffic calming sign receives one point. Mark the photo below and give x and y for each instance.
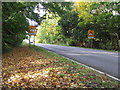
(90, 33)
(32, 30)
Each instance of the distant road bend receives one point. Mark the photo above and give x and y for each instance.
(104, 61)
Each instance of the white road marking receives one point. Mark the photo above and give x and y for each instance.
(94, 69)
(90, 68)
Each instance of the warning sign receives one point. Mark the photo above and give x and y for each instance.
(32, 30)
(90, 33)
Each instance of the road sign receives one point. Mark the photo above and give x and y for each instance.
(32, 30)
(90, 33)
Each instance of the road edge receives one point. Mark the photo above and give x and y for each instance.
(84, 65)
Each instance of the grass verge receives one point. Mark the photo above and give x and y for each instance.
(36, 67)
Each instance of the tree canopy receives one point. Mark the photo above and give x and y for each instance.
(63, 23)
(15, 23)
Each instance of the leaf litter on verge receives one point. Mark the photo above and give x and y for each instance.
(24, 67)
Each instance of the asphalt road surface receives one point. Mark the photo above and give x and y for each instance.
(101, 60)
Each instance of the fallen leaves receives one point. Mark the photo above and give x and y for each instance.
(26, 68)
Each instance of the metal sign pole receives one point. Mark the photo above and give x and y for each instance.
(29, 41)
(91, 43)
(34, 39)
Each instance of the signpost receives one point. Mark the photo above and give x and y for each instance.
(32, 32)
(91, 36)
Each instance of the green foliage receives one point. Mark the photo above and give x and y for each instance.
(107, 25)
(100, 18)
(61, 75)
(69, 27)
(14, 22)
(64, 22)
(58, 8)
(75, 19)
(49, 31)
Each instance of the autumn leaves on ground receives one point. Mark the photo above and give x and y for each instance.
(25, 67)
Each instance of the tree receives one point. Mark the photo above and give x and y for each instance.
(107, 23)
(55, 11)
(49, 31)
(99, 17)
(14, 22)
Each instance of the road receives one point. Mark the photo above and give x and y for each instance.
(101, 60)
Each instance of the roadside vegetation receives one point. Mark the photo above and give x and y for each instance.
(72, 22)
(36, 67)
(63, 23)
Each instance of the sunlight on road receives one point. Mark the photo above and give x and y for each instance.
(102, 52)
(79, 54)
